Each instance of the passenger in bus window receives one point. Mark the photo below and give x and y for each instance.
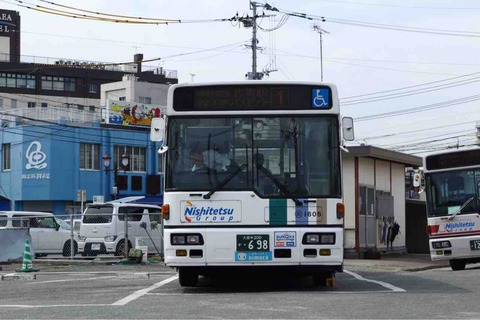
(197, 162)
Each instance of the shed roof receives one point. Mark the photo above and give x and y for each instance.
(383, 154)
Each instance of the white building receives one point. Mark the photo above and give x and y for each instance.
(375, 198)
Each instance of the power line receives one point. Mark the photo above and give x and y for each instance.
(421, 108)
(458, 33)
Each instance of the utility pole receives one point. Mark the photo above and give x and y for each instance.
(320, 32)
(252, 22)
(253, 6)
(254, 75)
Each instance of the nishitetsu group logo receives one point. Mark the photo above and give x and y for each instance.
(459, 226)
(186, 216)
(195, 213)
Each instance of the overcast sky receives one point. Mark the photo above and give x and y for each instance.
(427, 73)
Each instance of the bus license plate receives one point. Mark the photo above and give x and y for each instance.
(475, 244)
(253, 242)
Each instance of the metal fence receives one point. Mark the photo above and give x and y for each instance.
(97, 235)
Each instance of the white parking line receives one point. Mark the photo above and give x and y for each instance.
(69, 280)
(23, 306)
(143, 292)
(383, 284)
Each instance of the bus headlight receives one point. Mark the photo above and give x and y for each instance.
(178, 239)
(312, 238)
(191, 239)
(441, 244)
(327, 238)
(319, 238)
(82, 238)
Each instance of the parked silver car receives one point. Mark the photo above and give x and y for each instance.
(50, 235)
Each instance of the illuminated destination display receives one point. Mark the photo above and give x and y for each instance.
(252, 97)
(453, 160)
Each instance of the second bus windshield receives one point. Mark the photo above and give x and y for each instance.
(274, 156)
(453, 192)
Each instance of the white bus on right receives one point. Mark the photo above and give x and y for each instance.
(452, 185)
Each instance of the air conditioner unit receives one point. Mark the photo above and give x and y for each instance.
(98, 199)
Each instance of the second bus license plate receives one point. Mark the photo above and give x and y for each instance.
(253, 242)
(475, 244)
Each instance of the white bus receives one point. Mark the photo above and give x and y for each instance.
(452, 184)
(253, 179)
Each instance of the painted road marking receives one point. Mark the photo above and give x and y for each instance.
(143, 292)
(68, 280)
(23, 306)
(383, 284)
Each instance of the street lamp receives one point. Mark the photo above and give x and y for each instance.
(125, 159)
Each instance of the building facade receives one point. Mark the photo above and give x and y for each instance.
(56, 131)
(375, 199)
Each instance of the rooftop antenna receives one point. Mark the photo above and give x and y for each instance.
(192, 75)
(320, 33)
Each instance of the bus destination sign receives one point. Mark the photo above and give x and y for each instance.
(453, 160)
(249, 97)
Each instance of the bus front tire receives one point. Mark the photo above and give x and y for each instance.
(457, 265)
(187, 277)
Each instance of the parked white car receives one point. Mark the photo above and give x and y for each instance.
(50, 235)
(102, 230)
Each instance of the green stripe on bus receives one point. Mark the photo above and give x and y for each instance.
(278, 211)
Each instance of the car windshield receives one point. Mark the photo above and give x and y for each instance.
(452, 193)
(276, 157)
(98, 214)
(63, 224)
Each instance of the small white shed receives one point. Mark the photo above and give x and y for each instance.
(375, 199)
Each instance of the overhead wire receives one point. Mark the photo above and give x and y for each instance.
(437, 105)
(446, 32)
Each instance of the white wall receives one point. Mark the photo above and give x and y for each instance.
(382, 174)
(349, 201)
(5, 49)
(132, 89)
(398, 193)
(366, 172)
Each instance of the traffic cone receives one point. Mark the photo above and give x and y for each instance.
(27, 259)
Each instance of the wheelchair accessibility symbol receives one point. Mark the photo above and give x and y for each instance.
(320, 99)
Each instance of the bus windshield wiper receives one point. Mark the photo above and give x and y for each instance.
(280, 186)
(225, 181)
(460, 209)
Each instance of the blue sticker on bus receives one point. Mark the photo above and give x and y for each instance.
(320, 99)
(250, 256)
(285, 238)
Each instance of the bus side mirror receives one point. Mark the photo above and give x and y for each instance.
(347, 128)
(157, 133)
(157, 129)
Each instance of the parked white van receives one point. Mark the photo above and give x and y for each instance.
(48, 236)
(102, 230)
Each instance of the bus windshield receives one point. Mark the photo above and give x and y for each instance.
(449, 193)
(275, 156)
